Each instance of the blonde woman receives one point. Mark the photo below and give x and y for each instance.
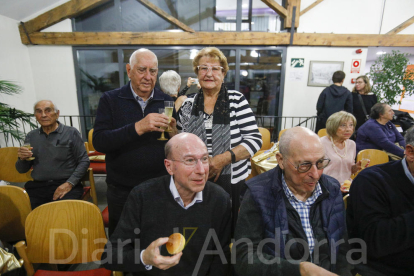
(362, 93)
(339, 148)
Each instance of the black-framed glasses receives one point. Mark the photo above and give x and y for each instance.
(306, 166)
(192, 162)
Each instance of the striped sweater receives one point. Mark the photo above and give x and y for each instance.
(243, 130)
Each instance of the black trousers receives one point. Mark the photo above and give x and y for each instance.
(117, 198)
(41, 192)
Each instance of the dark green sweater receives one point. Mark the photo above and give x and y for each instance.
(152, 209)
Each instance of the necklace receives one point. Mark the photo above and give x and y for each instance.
(334, 147)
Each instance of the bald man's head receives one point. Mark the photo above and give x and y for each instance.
(298, 137)
(176, 144)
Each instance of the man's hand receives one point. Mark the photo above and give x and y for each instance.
(173, 127)
(310, 269)
(151, 122)
(62, 190)
(24, 153)
(152, 256)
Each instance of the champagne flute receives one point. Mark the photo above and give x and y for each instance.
(27, 145)
(169, 108)
(162, 138)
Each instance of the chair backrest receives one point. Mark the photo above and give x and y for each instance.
(14, 208)
(90, 145)
(345, 198)
(281, 132)
(376, 157)
(8, 172)
(265, 138)
(65, 232)
(89, 177)
(322, 132)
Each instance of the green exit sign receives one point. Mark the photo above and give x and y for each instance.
(297, 62)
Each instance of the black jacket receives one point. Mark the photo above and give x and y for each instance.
(333, 99)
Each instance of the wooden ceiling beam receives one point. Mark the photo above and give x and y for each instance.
(166, 16)
(401, 27)
(311, 6)
(67, 10)
(216, 38)
(289, 7)
(281, 11)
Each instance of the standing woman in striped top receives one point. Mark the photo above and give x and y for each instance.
(224, 121)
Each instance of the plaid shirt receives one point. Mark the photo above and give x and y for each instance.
(303, 209)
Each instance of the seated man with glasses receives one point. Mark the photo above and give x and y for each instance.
(291, 219)
(183, 202)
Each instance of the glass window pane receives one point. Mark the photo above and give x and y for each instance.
(260, 76)
(258, 17)
(100, 19)
(99, 73)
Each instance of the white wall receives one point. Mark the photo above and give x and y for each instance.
(299, 98)
(15, 65)
(54, 72)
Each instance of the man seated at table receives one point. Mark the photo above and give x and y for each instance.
(381, 212)
(183, 202)
(292, 220)
(60, 158)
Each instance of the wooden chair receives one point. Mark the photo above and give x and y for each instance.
(89, 191)
(345, 198)
(376, 157)
(322, 132)
(267, 144)
(63, 232)
(14, 208)
(8, 172)
(281, 132)
(90, 145)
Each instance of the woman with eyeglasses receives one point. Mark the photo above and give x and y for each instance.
(362, 95)
(225, 122)
(339, 148)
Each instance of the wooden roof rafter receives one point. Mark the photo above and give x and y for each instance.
(166, 16)
(402, 26)
(311, 6)
(67, 10)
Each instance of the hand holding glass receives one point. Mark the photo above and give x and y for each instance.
(27, 145)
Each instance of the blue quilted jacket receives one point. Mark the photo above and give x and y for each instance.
(267, 191)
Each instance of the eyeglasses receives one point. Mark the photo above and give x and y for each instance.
(306, 166)
(345, 126)
(192, 162)
(143, 70)
(204, 69)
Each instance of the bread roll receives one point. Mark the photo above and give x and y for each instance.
(175, 243)
(347, 184)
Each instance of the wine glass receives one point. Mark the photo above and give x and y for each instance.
(364, 161)
(162, 138)
(27, 145)
(169, 109)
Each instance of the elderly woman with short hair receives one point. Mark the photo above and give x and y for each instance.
(170, 83)
(339, 148)
(379, 133)
(225, 122)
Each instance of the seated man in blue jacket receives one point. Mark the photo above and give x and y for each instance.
(381, 212)
(291, 220)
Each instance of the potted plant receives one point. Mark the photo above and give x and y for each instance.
(11, 118)
(391, 78)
